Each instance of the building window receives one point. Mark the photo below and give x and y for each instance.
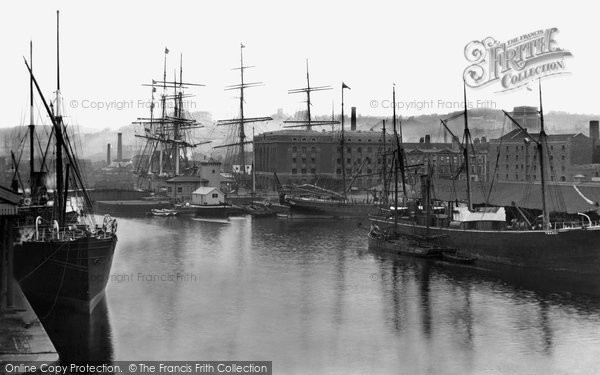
(338, 171)
(169, 189)
(303, 139)
(303, 171)
(314, 140)
(215, 195)
(294, 171)
(294, 149)
(312, 160)
(213, 171)
(339, 161)
(179, 189)
(313, 171)
(359, 149)
(293, 160)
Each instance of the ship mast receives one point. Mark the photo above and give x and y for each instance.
(58, 208)
(466, 148)
(385, 171)
(309, 122)
(168, 133)
(541, 151)
(540, 146)
(31, 126)
(399, 148)
(342, 143)
(242, 120)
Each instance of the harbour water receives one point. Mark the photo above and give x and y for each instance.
(310, 296)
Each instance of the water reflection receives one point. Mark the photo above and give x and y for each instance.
(78, 336)
(312, 298)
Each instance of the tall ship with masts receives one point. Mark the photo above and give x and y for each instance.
(64, 256)
(310, 200)
(431, 227)
(168, 139)
(236, 159)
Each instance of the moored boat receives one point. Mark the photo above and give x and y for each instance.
(63, 257)
(486, 235)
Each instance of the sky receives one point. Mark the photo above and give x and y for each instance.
(110, 48)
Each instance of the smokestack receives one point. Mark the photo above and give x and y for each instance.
(353, 119)
(108, 154)
(594, 135)
(119, 146)
(427, 138)
(594, 130)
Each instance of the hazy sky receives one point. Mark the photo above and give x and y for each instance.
(109, 48)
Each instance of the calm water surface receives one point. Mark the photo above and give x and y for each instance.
(309, 296)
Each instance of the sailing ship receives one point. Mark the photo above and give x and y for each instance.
(236, 148)
(483, 234)
(63, 257)
(168, 137)
(309, 200)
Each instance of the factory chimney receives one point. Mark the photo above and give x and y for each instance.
(119, 146)
(108, 154)
(353, 119)
(595, 136)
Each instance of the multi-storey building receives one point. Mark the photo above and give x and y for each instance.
(517, 156)
(449, 163)
(300, 156)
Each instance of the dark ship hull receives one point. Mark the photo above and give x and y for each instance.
(330, 208)
(72, 273)
(571, 253)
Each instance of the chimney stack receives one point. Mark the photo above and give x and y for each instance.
(595, 135)
(427, 138)
(353, 119)
(108, 154)
(119, 146)
(594, 130)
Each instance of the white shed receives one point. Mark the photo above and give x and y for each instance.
(207, 196)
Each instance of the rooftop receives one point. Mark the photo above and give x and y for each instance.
(186, 179)
(206, 190)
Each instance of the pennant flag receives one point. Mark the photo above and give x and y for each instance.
(242, 46)
(344, 86)
(166, 50)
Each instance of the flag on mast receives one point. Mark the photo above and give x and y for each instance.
(345, 86)
(166, 50)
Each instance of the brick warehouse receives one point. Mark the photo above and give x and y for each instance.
(301, 156)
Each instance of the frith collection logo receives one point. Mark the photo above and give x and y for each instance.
(515, 63)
